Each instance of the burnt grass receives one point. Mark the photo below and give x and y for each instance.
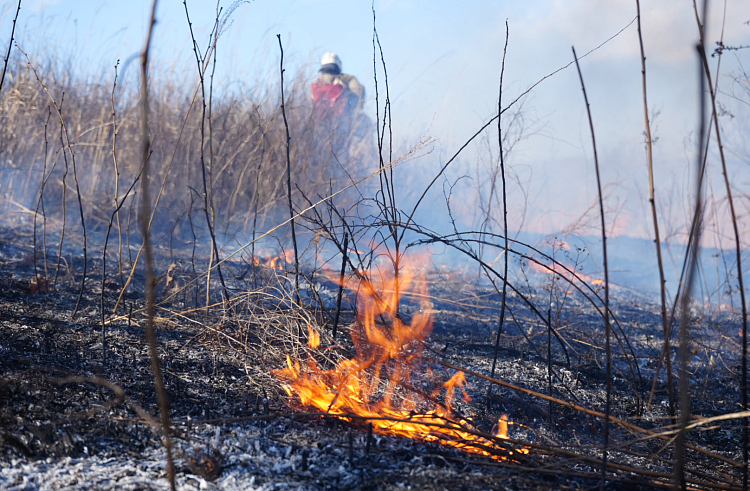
(235, 428)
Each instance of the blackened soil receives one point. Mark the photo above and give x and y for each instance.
(70, 388)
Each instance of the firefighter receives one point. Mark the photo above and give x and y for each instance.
(342, 132)
(335, 93)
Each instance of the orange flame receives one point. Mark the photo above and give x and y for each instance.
(502, 426)
(275, 262)
(378, 384)
(313, 339)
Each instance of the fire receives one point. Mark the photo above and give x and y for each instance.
(502, 426)
(277, 263)
(381, 384)
(313, 338)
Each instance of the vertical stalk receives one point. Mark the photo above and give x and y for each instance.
(150, 276)
(666, 328)
(116, 211)
(109, 227)
(117, 177)
(83, 221)
(289, 174)
(607, 327)
(10, 45)
(344, 258)
(738, 247)
(505, 208)
(40, 203)
(64, 210)
(387, 185)
(210, 190)
(684, 338)
(207, 190)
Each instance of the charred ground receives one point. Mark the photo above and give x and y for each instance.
(71, 419)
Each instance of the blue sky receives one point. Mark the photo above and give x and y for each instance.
(443, 62)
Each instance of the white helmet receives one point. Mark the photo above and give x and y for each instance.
(331, 58)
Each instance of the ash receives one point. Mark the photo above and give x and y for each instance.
(63, 427)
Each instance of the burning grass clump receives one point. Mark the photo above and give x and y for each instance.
(389, 382)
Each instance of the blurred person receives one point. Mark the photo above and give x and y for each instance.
(336, 94)
(343, 133)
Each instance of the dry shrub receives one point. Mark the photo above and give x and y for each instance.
(243, 135)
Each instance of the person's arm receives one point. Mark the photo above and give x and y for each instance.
(357, 88)
(357, 94)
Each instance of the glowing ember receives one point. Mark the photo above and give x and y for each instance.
(379, 384)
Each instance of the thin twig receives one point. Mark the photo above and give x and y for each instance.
(104, 263)
(341, 284)
(207, 190)
(109, 226)
(40, 203)
(652, 200)
(684, 336)
(737, 244)
(150, 276)
(10, 45)
(274, 229)
(608, 329)
(67, 145)
(491, 120)
(505, 207)
(289, 174)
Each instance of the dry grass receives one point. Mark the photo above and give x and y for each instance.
(244, 148)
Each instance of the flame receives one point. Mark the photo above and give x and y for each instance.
(502, 427)
(313, 339)
(274, 262)
(380, 384)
